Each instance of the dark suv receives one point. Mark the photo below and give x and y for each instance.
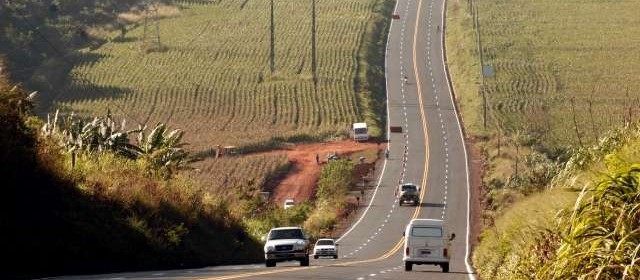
(408, 192)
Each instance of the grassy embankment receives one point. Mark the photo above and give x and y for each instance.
(564, 77)
(544, 236)
(104, 212)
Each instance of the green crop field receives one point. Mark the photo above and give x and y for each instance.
(556, 61)
(213, 79)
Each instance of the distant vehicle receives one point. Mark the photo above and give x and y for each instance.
(325, 248)
(408, 193)
(333, 156)
(289, 203)
(360, 132)
(286, 244)
(425, 243)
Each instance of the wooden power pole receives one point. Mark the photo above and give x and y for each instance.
(314, 62)
(272, 55)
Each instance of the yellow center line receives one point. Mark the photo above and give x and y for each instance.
(423, 188)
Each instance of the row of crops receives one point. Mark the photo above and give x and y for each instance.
(235, 173)
(561, 63)
(214, 78)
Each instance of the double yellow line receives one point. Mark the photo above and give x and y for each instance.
(260, 273)
(423, 189)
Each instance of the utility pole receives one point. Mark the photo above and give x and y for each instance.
(314, 63)
(151, 42)
(273, 41)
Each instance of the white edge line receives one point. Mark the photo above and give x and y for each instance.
(384, 165)
(464, 147)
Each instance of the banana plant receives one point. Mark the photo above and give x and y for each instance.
(161, 147)
(100, 134)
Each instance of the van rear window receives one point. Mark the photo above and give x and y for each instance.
(426, 232)
(360, 131)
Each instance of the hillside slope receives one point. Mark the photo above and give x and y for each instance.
(106, 213)
(567, 231)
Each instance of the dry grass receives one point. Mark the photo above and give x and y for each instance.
(137, 15)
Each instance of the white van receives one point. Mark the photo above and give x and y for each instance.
(426, 242)
(360, 132)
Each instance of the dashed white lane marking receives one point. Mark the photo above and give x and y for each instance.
(360, 278)
(372, 275)
(158, 274)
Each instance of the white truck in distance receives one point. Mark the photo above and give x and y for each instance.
(360, 132)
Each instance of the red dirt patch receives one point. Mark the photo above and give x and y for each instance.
(299, 184)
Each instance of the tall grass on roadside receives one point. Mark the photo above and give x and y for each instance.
(602, 236)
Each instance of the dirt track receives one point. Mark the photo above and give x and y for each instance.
(299, 184)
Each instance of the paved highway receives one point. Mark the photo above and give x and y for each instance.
(429, 152)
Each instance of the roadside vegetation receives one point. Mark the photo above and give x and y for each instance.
(210, 75)
(548, 94)
(83, 203)
(319, 217)
(585, 224)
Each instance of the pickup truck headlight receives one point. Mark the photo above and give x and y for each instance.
(300, 245)
(268, 249)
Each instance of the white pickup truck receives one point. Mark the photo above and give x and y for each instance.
(286, 244)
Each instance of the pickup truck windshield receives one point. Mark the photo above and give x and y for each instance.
(286, 234)
(325, 242)
(409, 188)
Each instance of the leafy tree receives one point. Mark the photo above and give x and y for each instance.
(335, 179)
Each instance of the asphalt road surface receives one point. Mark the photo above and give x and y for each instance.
(429, 152)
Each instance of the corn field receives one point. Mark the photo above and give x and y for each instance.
(564, 70)
(213, 77)
(239, 175)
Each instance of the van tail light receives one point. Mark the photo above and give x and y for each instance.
(406, 251)
(445, 252)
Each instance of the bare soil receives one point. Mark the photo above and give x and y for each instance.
(299, 184)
